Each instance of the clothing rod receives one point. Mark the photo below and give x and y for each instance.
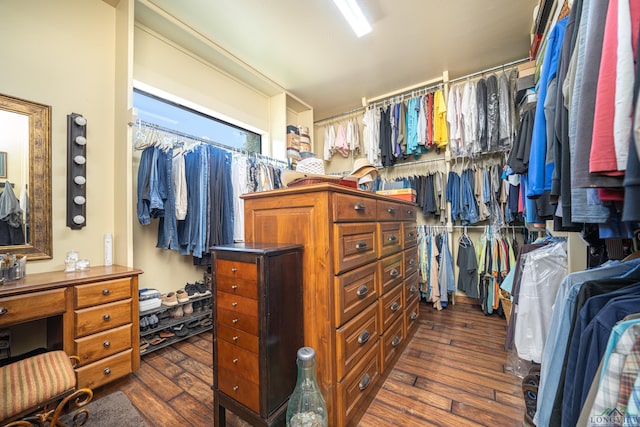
(486, 226)
(143, 124)
(401, 96)
(335, 116)
(416, 162)
(408, 89)
(489, 70)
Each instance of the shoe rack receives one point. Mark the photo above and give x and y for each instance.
(169, 329)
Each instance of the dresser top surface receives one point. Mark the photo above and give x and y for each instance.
(261, 248)
(58, 279)
(322, 187)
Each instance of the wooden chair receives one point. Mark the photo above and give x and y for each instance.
(36, 390)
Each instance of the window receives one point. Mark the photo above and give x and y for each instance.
(170, 115)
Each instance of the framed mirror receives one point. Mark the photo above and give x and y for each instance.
(25, 144)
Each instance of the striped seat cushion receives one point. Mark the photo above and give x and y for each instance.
(30, 382)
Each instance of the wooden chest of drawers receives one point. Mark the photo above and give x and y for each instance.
(91, 313)
(257, 329)
(360, 263)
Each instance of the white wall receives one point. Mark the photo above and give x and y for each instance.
(62, 54)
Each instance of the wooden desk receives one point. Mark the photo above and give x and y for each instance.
(92, 314)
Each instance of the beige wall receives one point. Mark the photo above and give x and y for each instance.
(62, 54)
(162, 65)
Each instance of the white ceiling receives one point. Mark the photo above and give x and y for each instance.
(307, 48)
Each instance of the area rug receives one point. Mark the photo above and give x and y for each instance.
(112, 410)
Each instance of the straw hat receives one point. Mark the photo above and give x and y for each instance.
(362, 167)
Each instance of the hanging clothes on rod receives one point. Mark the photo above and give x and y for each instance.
(436, 265)
(192, 186)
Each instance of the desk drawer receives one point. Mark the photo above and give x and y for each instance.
(239, 361)
(236, 269)
(390, 235)
(243, 322)
(390, 342)
(411, 289)
(239, 338)
(411, 261)
(357, 385)
(353, 208)
(102, 317)
(390, 272)
(355, 245)
(355, 290)
(410, 233)
(239, 388)
(31, 306)
(103, 344)
(105, 370)
(102, 292)
(355, 338)
(237, 304)
(390, 308)
(235, 286)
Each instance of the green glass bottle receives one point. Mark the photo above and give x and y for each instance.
(307, 407)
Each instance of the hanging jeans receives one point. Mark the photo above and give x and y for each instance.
(167, 230)
(144, 198)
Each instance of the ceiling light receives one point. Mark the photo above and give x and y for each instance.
(352, 13)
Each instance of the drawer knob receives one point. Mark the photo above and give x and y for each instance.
(413, 316)
(362, 290)
(396, 341)
(233, 269)
(393, 238)
(106, 292)
(3, 310)
(234, 321)
(235, 388)
(106, 344)
(235, 338)
(363, 337)
(394, 272)
(395, 306)
(234, 287)
(107, 371)
(413, 288)
(235, 361)
(412, 234)
(412, 261)
(361, 245)
(359, 207)
(106, 317)
(234, 304)
(391, 211)
(410, 212)
(364, 382)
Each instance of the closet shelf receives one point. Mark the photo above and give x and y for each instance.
(162, 325)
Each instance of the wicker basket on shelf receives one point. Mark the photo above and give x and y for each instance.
(505, 298)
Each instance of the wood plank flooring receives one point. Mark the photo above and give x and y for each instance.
(452, 373)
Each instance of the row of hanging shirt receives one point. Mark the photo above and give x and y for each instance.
(481, 115)
(345, 141)
(436, 265)
(405, 128)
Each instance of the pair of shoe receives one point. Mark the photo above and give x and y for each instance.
(530, 385)
(180, 330)
(150, 321)
(197, 289)
(206, 322)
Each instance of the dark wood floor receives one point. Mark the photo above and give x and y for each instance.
(452, 373)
